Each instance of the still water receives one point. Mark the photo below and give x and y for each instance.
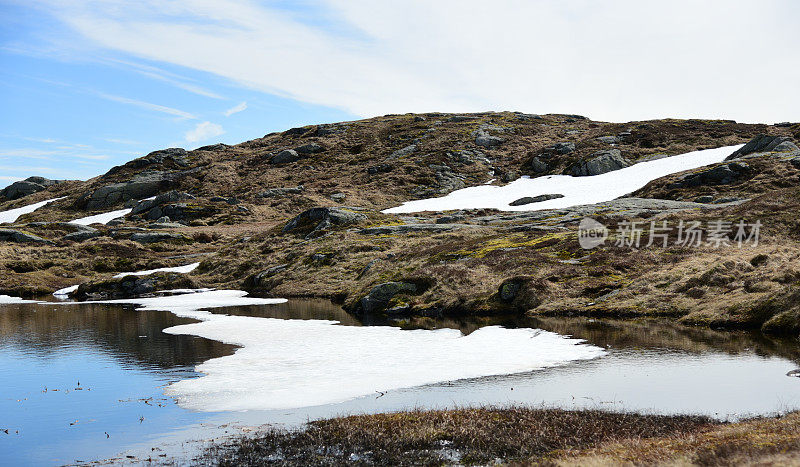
(86, 382)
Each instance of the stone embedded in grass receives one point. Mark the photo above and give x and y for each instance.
(16, 236)
(600, 162)
(535, 199)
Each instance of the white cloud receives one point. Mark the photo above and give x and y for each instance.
(615, 60)
(147, 105)
(203, 131)
(236, 109)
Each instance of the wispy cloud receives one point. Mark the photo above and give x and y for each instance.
(166, 77)
(122, 141)
(622, 59)
(147, 105)
(236, 109)
(204, 131)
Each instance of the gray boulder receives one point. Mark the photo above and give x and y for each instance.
(284, 157)
(281, 192)
(81, 235)
(720, 175)
(378, 298)
(608, 139)
(601, 162)
(16, 236)
(763, 144)
(310, 148)
(405, 152)
(380, 168)
(171, 196)
(535, 199)
(27, 187)
(140, 186)
(316, 219)
(133, 286)
(176, 155)
(488, 141)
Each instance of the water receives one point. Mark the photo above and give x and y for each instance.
(86, 382)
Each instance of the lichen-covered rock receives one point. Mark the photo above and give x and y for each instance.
(155, 237)
(281, 192)
(16, 236)
(26, 187)
(316, 219)
(720, 175)
(378, 298)
(140, 186)
(600, 162)
(765, 144)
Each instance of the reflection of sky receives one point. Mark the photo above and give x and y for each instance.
(59, 353)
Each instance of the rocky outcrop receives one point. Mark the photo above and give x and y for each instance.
(285, 157)
(27, 187)
(762, 144)
(600, 162)
(133, 286)
(155, 237)
(281, 192)
(317, 219)
(535, 199)
(16, 236)
(178, 156)
(143, 185)
(720, 175)
(378, 298)
(310, 148)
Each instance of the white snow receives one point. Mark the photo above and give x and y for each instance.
(103, 218)
(180, 269)
(6, 299)
(65, 291)
(299, 363)
(12, 215)
(576, 190)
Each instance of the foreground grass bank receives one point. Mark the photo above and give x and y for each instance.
(519, 435)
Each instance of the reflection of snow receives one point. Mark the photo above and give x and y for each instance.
(299, 363)
(576, 190)
(13, 214)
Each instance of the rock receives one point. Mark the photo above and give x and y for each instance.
(518, 293)
(406, 151)
(338, 197)
(330, 129)
(380, 168)
(281, 192)
(535, 199)
(450, 219)
(140, 186)
(728, 199)
(446, 179)
(412, 228)
(214, 147)
(166, 225)
(508, 291)
(261, 279)
(133, 286)
(115, 222)
(16, 236)
(523, 116)
(601, 162)
(297, 131)
(538, 164)
(488, 141)
(166, 205)
(81, 236)
(763, 144)
(380, 295)
(795, 161)
(316, 219)
(26, 187)
(704, 199)
(176, 155)
(467, 156)
(284, 157)
(310, 148)
(155, 237)
(719, 175)
(419, 118)
(561, 148)
(608, 139)
(164, 219)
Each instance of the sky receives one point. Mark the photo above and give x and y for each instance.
(89, 84)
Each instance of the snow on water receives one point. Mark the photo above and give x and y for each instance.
(180, 269)
(576, 190)
(12, 215)
(6, 299)
(300, 363)
(103, 218)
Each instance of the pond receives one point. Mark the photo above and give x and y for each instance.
(82, 382)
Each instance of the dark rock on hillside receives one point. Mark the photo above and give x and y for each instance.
(316, 219)
(404, 152)
(310, 148)
(719, 175)
(535, 199)
(281, 192)
(81, 235)
(176, 155)
(133, 286)
(379, 297)
(467, 156)
(285, 157)
(214, 147)
(27, 187)
(601, 162)
(561, 148)
(172, 196)
(765, 143)
(380, 168)
(140, 186)
(608, 139)
(488, 141)
(16, 236)
(169, 205)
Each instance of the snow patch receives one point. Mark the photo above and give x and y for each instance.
(65, 291)
(180, 269)
(300, 363)
(7, 299)
(12, 215)
(576, 190)
(103, 218)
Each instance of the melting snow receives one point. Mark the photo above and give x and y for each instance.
(103, 218)
(6, 299)
(576, 190)
(180, 269)
(12, 215)
(299, 363)
(65, 291)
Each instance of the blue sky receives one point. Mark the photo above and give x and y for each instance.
(89, 84)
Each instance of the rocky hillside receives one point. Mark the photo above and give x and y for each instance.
(298, 213)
